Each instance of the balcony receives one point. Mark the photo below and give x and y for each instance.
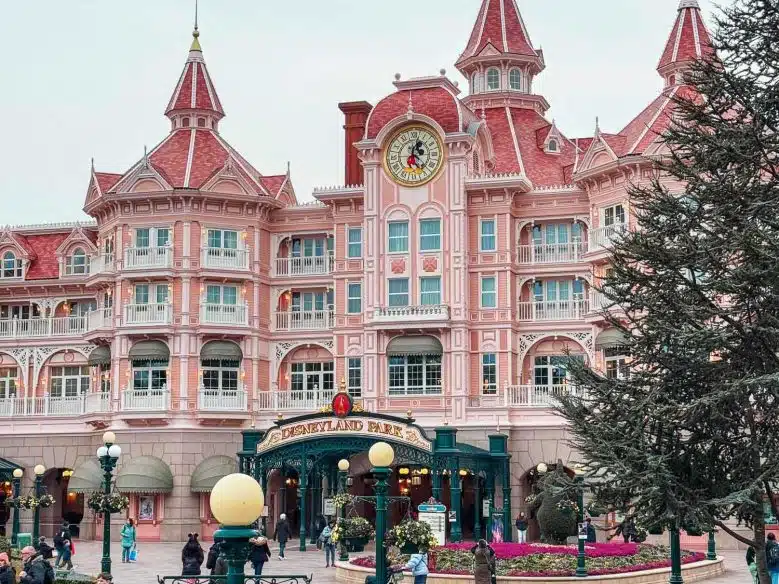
(436, 314)
(554, 310)
(143, 314)
(100, 318)
(538, 396)
(146, 258)
(145, 400)
(56, 406)
(102, 264)
(21, 328)
(229, 314)
(602, 238)
(304, 400)
(221, 400)
(224, 259)
(304, 320)
(551, 253)
(304, 266)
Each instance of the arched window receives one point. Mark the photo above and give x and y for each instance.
(515, 80)
(553, 146)
(185, 122)
(77, 263)
(11, 266)
(493, 79)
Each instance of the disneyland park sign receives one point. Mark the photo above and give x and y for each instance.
(337, 427)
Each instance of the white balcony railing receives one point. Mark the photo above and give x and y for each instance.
(304, 320)
(221, 400)
(223, 258)
(304, 400)
(28, 328)
(145, 400)
(599, 302)
(55, 406)
(554, 310)
(603, 237)
(389, 314)
(224, 314)
(100, 318)
(141, 258)
(148, 314)
(102, 264)
(537, 396)
(304, 266)
(551, 253)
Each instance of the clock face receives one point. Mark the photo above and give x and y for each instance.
(414, 156)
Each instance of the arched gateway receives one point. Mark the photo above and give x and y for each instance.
(300, 456)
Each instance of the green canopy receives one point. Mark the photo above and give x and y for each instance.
(7, 469)
(87, 477)
(221, 350)
(100, 356)
(208, 473)
(145, 475)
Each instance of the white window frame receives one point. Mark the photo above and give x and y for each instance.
(494, 235)
(151, 366)
(518, 71)
(82, 379)
(11, 266)
(613, 208)
(620, 357)
(390, 294)
(487, 79)
(77, 269)
(221, 232)
(422, 236)
(350, 297)
(221, 367)
(350, 243)
(354, 376)
(222, 288)
(489, 373)
(9, 382)
(493, 292)
(153, 295)
(427, 361)
(153, 237)
(422, 293)
(391, 238)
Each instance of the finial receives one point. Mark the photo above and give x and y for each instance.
(410, 112)
(279, 417)
(397, 76)
(408, 414)
(442, 71)
(288, 167)
(342, 388)
(93, 164)
(195, 33)
(597, 125)
(145, 157)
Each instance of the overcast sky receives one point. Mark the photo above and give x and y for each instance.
(91, 78)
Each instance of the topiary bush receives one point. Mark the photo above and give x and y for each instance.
(556, 515)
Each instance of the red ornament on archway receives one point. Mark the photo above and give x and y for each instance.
(342, 404)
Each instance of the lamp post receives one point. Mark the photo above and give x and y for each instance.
(676, 557)
(343, 470)
(711, 552)
(36, 514)
(17, 488)
(581, 567)
(108, 455)
(381, 456)
(236, 501)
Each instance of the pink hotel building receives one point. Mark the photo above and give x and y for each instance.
(448, 277)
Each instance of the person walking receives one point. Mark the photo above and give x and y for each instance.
(215, 561)
(772, 557)
(59, 543)
(327, 542)
(7, 573)
(417, 563)
(259, 554)
(283, 533)
(752, 564)
(483, 562)
(192, 556)
(321, 523)
(46, 551)
(128, 539)
(522, 526)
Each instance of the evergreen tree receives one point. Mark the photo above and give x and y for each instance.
(691, 438)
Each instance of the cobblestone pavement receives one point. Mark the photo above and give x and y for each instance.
(164, 559)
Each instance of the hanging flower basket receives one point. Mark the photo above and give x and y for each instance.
(342, 500)
(14, 502)
(411, 534)
(112, 503)
(46, 501)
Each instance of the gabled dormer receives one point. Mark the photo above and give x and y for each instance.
(15, 255)
(553, 141)
(75, 253)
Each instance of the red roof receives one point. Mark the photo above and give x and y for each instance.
(194, 90)
(689, 39)
(273, 183)
(105, 180)
(434, 102)
(45, 266)
(500, 24)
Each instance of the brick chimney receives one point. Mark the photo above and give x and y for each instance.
(355, 119)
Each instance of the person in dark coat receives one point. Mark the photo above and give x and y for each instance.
(216, 561)
(7, 573)
(62, 545)
(192, 556)
(483, 562)
(259, 554)
(35, 567)
(321, 523)
(283, 533)
(522, 526)
(46, 551)
(592, 537)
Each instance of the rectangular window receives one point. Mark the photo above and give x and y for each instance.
(614, 215)
(616, 362)
(354, 298)
(355, 242)
(8, 380)
(163, 236)
(489, 296)
(216, 294)
(213, 295)
(489, 374)
(488, 242)
(222, 239)
(142, 238)
(141, 293)
(398, 292)
(414, 375)
(430, 235)
(355, 376)
(398, 236)
(430, 291)
(150, 375)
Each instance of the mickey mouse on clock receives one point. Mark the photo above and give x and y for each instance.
(414, 155)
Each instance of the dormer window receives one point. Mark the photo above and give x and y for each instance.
(515, 80)
(11, 266)
(553, 146)
(77, 263)
(185, 122)
(493, 79)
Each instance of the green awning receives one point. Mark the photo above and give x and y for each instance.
(7, 469)
(145, 475)
(149, 350)
(611, 338)
(415, 345)
(221, 350)
(100, 356)
(208, 472)
(87, 477)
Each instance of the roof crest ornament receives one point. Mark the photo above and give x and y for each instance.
(195, 34)
(410, 112)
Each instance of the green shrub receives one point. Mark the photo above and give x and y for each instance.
(74, 578)
(5, 544)
(556, 513)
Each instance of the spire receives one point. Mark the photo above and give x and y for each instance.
(194, 96)
(689, 41)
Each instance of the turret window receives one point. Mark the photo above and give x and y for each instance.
(515, 80)
(185, 122)
(201, 122)
(476, 83)
(552, 146)
(493, 79)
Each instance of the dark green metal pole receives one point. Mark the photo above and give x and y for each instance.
(491, 498)
(105, 563)
(711, 553)
(581, 566)
(676, 558)
(264, 484)
(236, 550)
(381, 473)
(477, 511)
(436, 478)
(36, 519)
(508, 526)
(455, 494)
(17, 487)
(344, 553)
(302, 501)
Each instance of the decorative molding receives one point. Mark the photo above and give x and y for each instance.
(22, 357)
(41, 354)
(584, 338)
(279, 350)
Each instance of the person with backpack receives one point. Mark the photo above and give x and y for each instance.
(128, 539)
(36, 570)
(59, 543)
(327, 543)
(259, 554)
(772, 557)
(192, 556)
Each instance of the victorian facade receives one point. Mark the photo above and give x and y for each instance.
(448, 278)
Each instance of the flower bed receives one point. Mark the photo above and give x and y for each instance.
(531, 560)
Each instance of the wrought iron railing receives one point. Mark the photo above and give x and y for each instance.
(249, 578)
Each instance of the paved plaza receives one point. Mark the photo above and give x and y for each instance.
(164, 559)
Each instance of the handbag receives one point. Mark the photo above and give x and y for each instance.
(133, 557)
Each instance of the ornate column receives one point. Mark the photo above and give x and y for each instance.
(303, 493)
(436, 478)
(477, 511)
(455, 497)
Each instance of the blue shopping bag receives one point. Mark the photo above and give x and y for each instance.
(134, 554)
